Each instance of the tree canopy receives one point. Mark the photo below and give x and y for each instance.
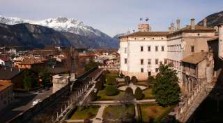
(166, 88)
(138, 94)
(111, 90)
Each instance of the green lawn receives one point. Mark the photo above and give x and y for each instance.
(153, 112)
(102, 96)
(88, 112)
(148, 93)
(118, 111)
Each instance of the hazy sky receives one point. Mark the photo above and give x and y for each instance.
(113, 16)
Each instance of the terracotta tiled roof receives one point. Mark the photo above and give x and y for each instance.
(136, 34)
(7, 73)
(32, 60)
(195, 58)
(196, 29)
(4, 85)
(185, 29)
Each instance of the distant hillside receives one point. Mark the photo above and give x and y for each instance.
(74, 31)
(213, 19)
(35, 36)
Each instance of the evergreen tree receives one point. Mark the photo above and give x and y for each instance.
(27, 81)
(129, 91)
(134, 79)
(138, 94)
(111, 90)
(166, 88)
(45, 76)
(91, 64)
(127, 80)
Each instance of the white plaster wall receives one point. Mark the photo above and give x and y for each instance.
(220, 47)
(131, 49)
(135, 55)
(123, 55)
(176, 54)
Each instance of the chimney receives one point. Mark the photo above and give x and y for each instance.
(178, 24)
(169, 28)
(172, 27)
(144, 27)
(192, 23)
(205, 22)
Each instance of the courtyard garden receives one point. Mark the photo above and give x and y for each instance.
(119, 112)
(153, 112)
(119, 96)
(85, 112)
(112, 86)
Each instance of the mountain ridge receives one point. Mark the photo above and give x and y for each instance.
(213, 19)
(66, 26)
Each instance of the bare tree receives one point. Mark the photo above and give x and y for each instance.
(126, 99)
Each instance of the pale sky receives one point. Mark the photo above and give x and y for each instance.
(113, 16)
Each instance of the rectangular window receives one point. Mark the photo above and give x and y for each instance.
(192, 48)
(162, 48)
(149, 73)
(142, 70)
(149, 48)
(141, 49)
(142, 61)
(149, 61)
(161, 62)
(156, 48)
(156, 61)
(125, 60)
(157, 69)
(165, 61)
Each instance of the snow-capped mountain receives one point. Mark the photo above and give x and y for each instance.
(64, 24)
(59, 24)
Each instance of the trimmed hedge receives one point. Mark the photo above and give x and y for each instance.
(129, 91)
(111, 90)
(139, 94)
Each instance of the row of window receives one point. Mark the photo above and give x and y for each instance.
(149, 48)
(177, 48)
(170, 48)
(174, 48)
(149, 38)
(156, 69)
(149, 61)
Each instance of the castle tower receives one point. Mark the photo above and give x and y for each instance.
(144, 27)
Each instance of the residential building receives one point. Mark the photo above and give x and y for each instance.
(6, 94)
(142, 52)
(185, 42)
(197, 68)
(12, 75)
(28, 62)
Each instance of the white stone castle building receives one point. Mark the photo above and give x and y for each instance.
(142, 52)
